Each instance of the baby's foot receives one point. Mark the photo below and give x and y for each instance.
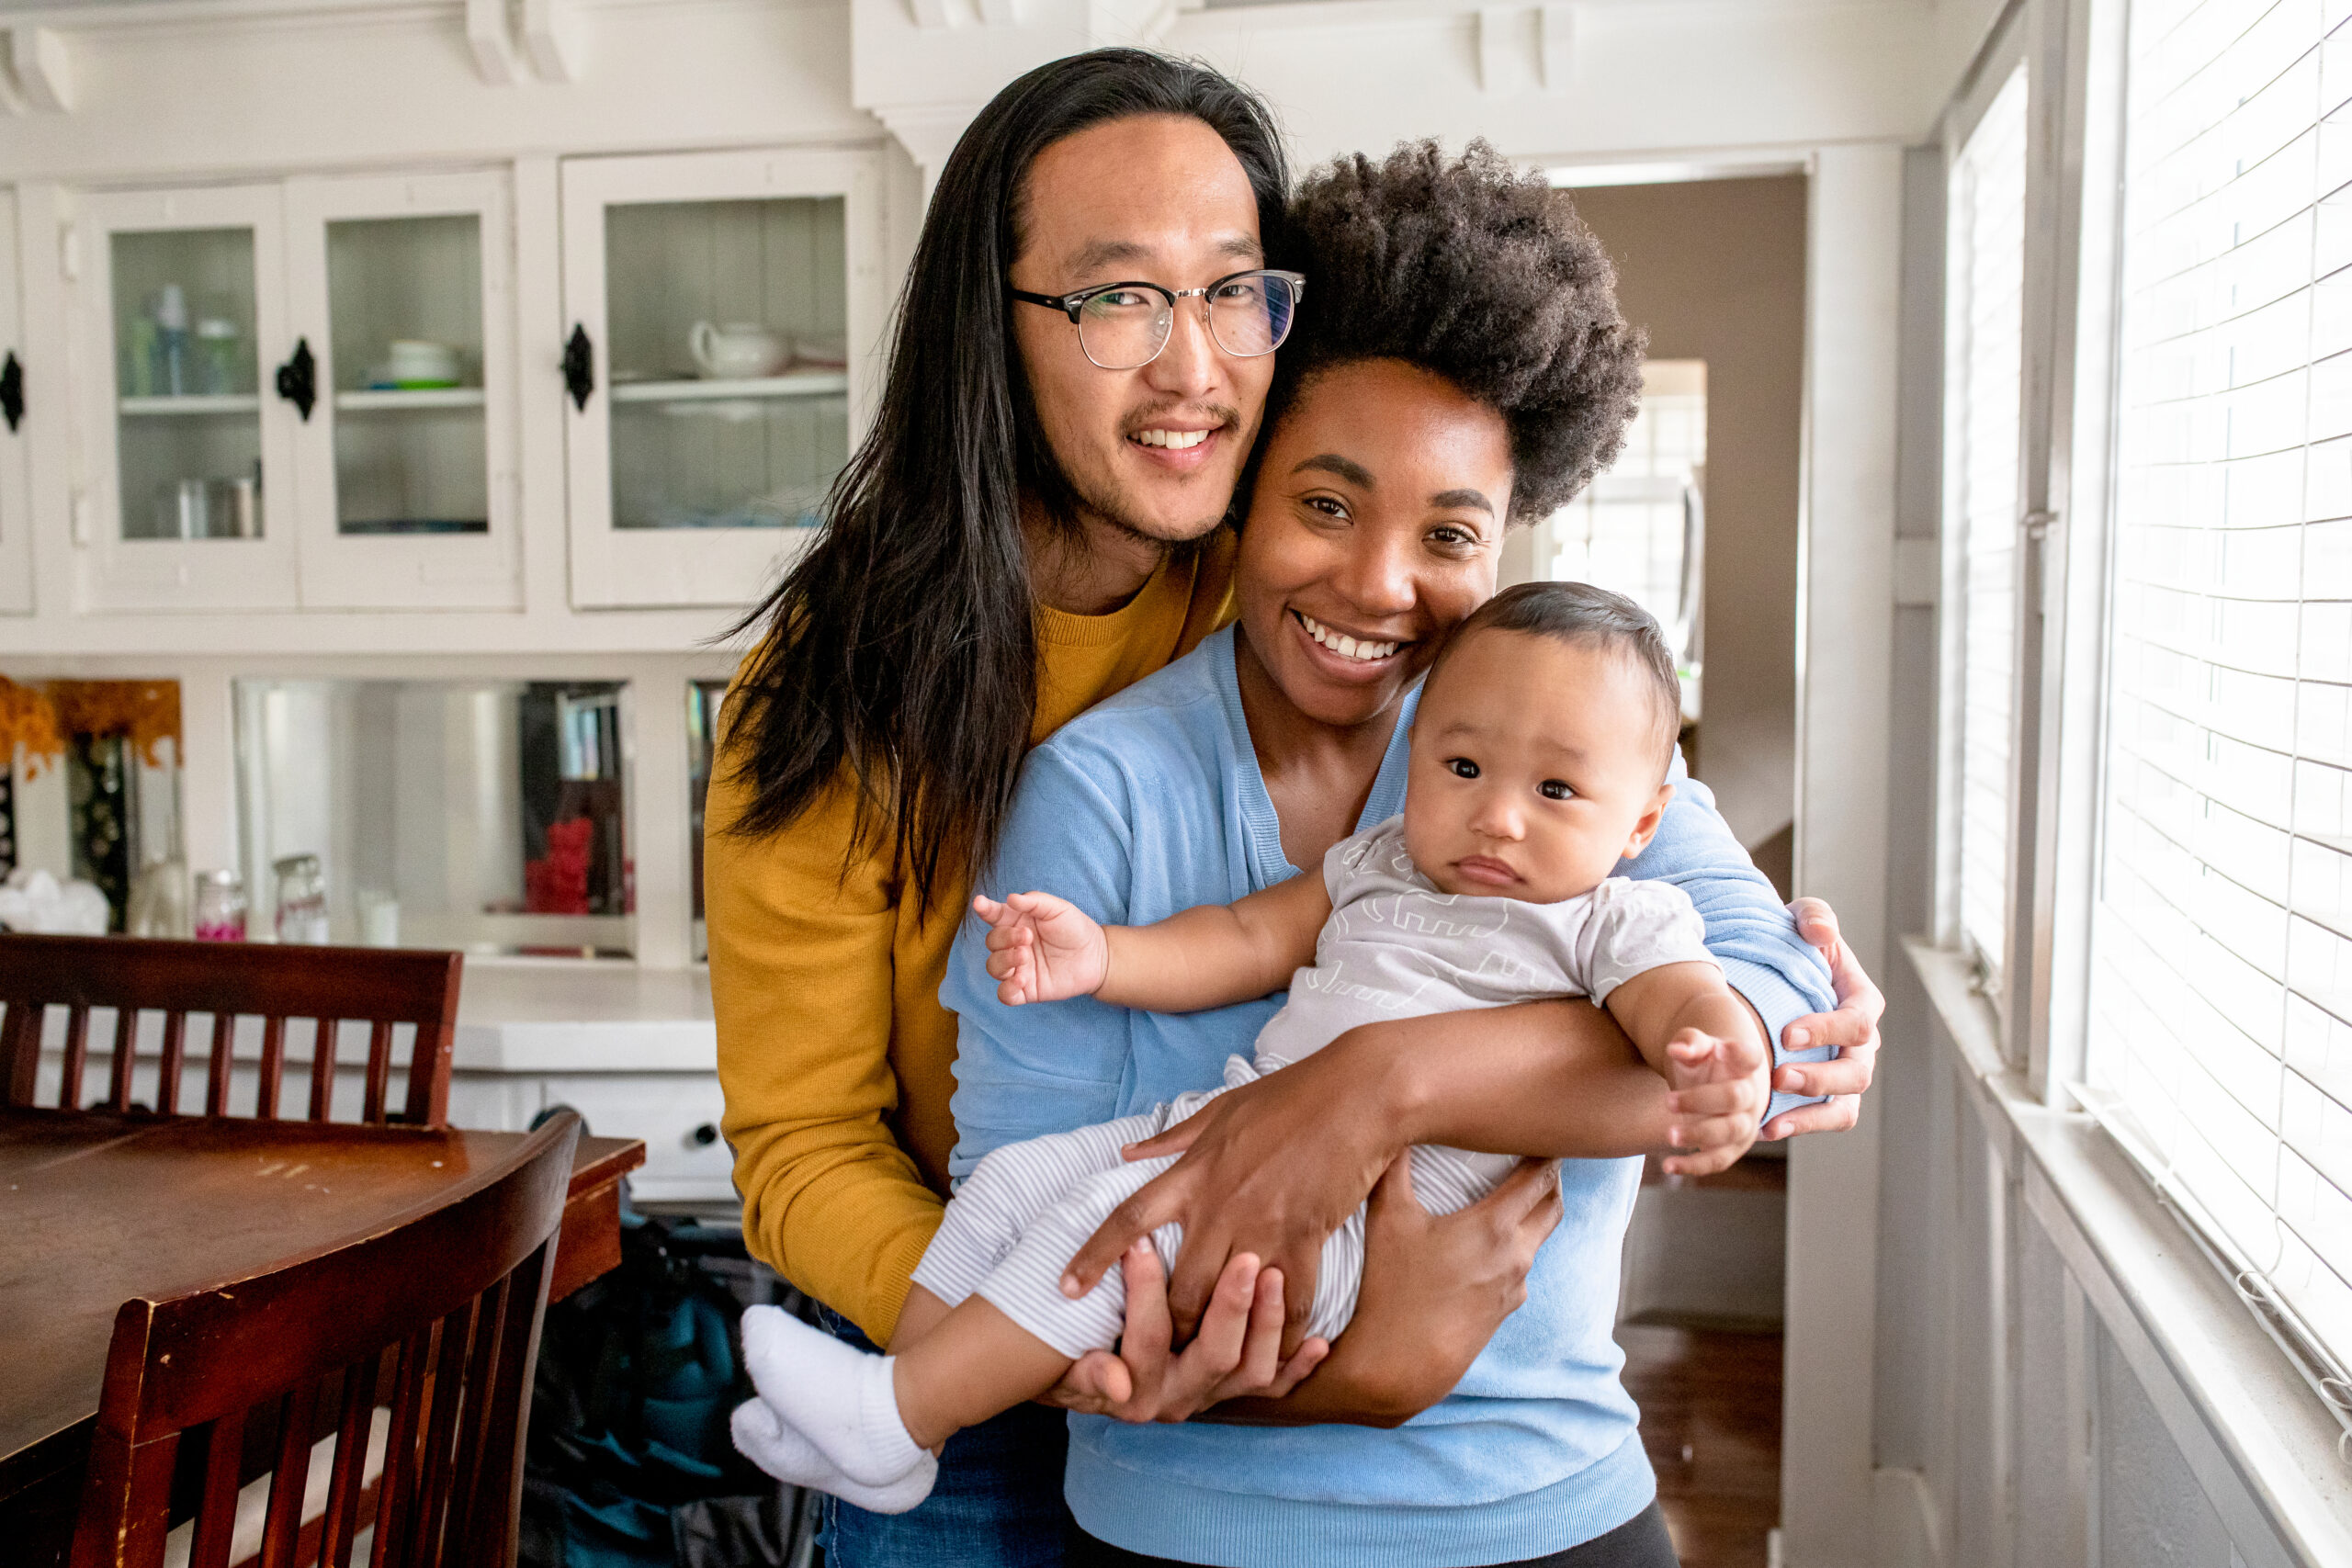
(764, 1439)
(838, 1397)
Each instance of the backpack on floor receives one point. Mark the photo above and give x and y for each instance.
(628, 1463)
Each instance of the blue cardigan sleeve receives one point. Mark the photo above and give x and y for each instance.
(1049, 1066)
(1749, 931)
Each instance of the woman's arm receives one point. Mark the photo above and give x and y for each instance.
(1274, 1168)
(800, 982)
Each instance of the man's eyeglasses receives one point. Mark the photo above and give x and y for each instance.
(1122, 326)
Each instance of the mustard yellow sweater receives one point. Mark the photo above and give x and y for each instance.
(833, 1050)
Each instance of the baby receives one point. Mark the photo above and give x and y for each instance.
(1539, 758)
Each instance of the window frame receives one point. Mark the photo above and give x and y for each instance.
(2078, 56)
(2073, 54)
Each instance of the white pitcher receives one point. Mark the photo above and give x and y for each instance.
(740, 351)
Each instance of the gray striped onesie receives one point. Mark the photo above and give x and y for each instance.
(1394, 947)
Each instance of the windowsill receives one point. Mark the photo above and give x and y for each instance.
(2250, 1427)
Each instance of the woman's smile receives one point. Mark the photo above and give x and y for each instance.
(1365, 654)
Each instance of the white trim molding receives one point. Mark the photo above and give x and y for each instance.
(2256, 1440)
(1845, 644)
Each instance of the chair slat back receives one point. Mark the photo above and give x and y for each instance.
(438, 1313)
(377, 987)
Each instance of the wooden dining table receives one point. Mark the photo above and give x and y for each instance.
(97, 1208)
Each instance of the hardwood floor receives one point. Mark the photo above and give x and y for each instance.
(1710, 1420)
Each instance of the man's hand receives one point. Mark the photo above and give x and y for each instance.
(1720, 1091)
(1852, 1028)
(1043, 949)
(1236, 1353)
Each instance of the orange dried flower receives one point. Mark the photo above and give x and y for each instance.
(27, 718)
(145, 712)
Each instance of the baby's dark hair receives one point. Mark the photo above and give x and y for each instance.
(1581, 615)
(1477, 271)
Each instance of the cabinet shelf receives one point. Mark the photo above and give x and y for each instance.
(186, 404)
(398, 399)
(792, 384)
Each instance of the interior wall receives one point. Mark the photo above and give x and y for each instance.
(1714, 270)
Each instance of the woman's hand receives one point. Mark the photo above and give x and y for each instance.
(1236, 1353)
(1852, 1028)
(1274, 1167)
(1269, 1170)
(1435, 1288)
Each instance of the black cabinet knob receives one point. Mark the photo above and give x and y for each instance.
(704, 1135)
(579, 366)
(12, 392)
(297, 380)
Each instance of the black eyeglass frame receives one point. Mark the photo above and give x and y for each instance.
(1074, 303)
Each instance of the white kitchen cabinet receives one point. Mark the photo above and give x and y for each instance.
(406, 473)
(301, 394)
(696, 477)
(186, 497)
(15, 498)
(677, 1115)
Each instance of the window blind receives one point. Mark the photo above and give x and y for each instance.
(1984, 296)
(2222, 985)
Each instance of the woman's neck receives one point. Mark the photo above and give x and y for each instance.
(1317, 774)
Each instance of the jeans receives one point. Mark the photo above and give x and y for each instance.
(998, 1502)
(1640, 1542)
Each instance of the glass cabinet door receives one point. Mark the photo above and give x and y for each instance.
(719, 305)
(186, 458)
(403, 287)
(16, 502)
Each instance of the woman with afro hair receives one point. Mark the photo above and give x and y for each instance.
(1460, 368)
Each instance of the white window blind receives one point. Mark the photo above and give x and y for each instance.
(2222, 989)
(1984, 290)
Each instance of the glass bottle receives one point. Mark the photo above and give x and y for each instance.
(220, 907)
(216, 354)
(159, 900)
(301, 900)
(171, 341)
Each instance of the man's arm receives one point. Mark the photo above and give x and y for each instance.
(800, 978)
(1216, 953)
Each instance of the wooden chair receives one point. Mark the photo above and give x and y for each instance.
(380, 986)
(441, 1310)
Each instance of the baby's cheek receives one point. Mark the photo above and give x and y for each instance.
(1426, 831)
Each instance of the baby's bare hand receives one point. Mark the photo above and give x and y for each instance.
(1041, 948)
(1720, 1090)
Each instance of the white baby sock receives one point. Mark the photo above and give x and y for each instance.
(837, 1397)
(764, 1439)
